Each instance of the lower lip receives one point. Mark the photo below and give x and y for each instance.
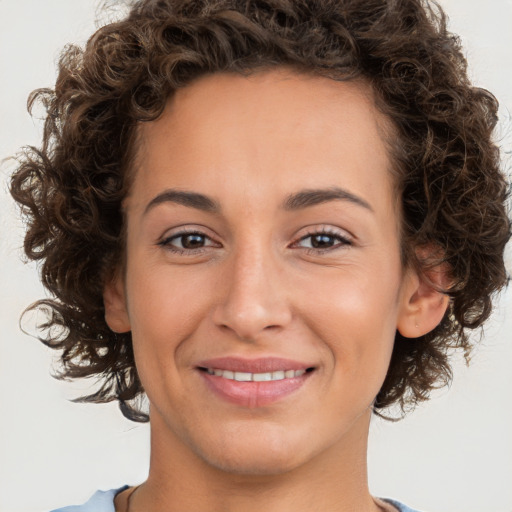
(253, 394)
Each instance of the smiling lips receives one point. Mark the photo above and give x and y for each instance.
(253, 383)
(256, 377)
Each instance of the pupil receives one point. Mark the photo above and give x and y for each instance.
(321, 241)
(192, 241)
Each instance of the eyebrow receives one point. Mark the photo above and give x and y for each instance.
(307, 198)
(297, 201)
(185, 198)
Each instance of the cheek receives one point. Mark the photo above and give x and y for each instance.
(164, 307)
(355, 314)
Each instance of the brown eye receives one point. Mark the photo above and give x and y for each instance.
(192, 241)
(323, 241)
(187, 242)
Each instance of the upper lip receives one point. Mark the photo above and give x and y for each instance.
(257, 365)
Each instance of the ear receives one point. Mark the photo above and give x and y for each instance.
(114, 300)
(423, 305)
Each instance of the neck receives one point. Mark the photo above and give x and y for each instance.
(179, 480)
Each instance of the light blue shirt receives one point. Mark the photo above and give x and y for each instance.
(103, 501)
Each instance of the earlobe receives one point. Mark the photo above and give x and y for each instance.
(114, 301)
(423, 304)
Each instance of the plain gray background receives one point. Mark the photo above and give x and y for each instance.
(453, 454)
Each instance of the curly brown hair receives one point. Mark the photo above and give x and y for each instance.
(452, 191)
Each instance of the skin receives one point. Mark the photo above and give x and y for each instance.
(257, 284)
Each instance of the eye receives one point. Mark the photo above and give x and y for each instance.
(187, 242)
(323, 241)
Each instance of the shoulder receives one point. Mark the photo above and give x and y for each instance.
(399, 506)
(101, 501)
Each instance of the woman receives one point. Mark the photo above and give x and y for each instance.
(284, 214)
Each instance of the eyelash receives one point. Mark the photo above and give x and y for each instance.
(167, 242)
(342, 241)
(329, 232)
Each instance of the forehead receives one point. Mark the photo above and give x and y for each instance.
(274, 126)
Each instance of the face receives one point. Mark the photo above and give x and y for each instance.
(263, 283)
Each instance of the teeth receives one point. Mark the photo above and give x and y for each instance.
(261, 377)
(256, 377)
(243, 377)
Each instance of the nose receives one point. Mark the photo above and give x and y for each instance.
(253, 298)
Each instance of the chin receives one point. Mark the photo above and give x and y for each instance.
(256, 453)
(252, 464)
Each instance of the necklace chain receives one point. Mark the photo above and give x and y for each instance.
(382, 505)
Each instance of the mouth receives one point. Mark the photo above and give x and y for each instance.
(254, 383)
(256, 377)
